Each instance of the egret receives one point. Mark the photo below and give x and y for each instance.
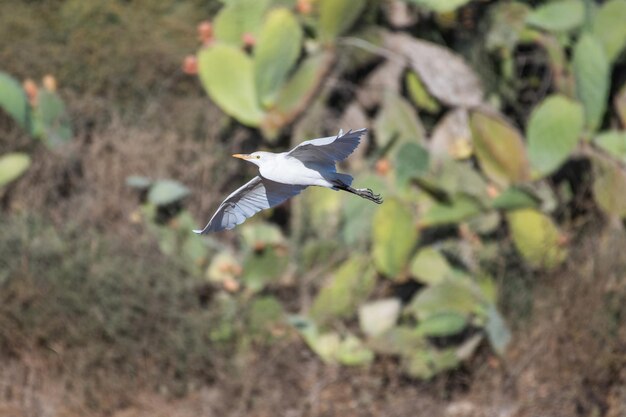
(284, 175)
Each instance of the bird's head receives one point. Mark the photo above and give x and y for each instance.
(257, 158)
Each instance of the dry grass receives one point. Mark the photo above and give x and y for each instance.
(566, 360)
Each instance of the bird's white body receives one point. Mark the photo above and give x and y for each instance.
(285, 169)
(286, 174)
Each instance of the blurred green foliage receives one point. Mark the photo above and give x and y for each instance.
(469, 173)
(40, 112)
(471, 168)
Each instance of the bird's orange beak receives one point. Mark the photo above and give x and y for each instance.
(241, 156)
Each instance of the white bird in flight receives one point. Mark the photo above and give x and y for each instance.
(284, 175)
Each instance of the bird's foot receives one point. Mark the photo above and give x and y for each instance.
(369, 195)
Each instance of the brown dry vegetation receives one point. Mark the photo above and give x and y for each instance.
(567, 359)
(67, 350)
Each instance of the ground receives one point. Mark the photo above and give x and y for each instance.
(564, 361)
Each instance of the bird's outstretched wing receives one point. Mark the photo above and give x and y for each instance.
(331, 149)
(256, 195)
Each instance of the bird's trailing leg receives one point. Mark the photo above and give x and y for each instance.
(365, 193)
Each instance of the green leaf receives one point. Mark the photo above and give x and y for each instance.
(52, 119)
(613, 142)
(358, 213)
(608, 186)
(444, 324)
(263, 268)
(330, 347)
(427, 363)
(223, 266)
(429, 266)
(349, 286)
(337, 16)
(412, 160)
(592, 72)
(399, 340)
(237, 18)
(165, 192)
(397, 120)
(227, 75)
(394, 237)
(277, 50)
(297, 93)
(139, 182)
(536, 238)
(13, 99)
(462, 207)
(419, 95)
(554, 129)
(440, 6)
(484, 224)
(514, 198)
(325, 346)
(265, 313)
(449, 296)
(258, 235)
(558, 16)
(12, 165)
(499, 148)
(302, 84)
(508, 21)
(377, 317)
(497, 332)
(609, 27)
(352, 352)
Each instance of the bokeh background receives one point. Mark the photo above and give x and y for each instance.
(491, 282)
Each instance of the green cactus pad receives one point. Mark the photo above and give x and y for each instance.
(166, 192)
(609, 27)
(613, 142)
(263, 268)
(352, 352)
(554, 129)
(536, 238)
(608, 186)
(13, 99)
(499, 148)
(558, 16)
(227, 75)
(461, 207)
(440, 6)
(12, 165)
(397, 120)
(297, 93)
(277, 50)
(239, 17)
(52, 119)
(450, 296)
(337, 16)
(445, 324)
(349, 286)
(419, 94)
(592, 73)
(429, 266)
(394, 235)
(515, 198)
(377, 317)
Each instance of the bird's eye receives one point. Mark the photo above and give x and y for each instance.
(258, 157)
